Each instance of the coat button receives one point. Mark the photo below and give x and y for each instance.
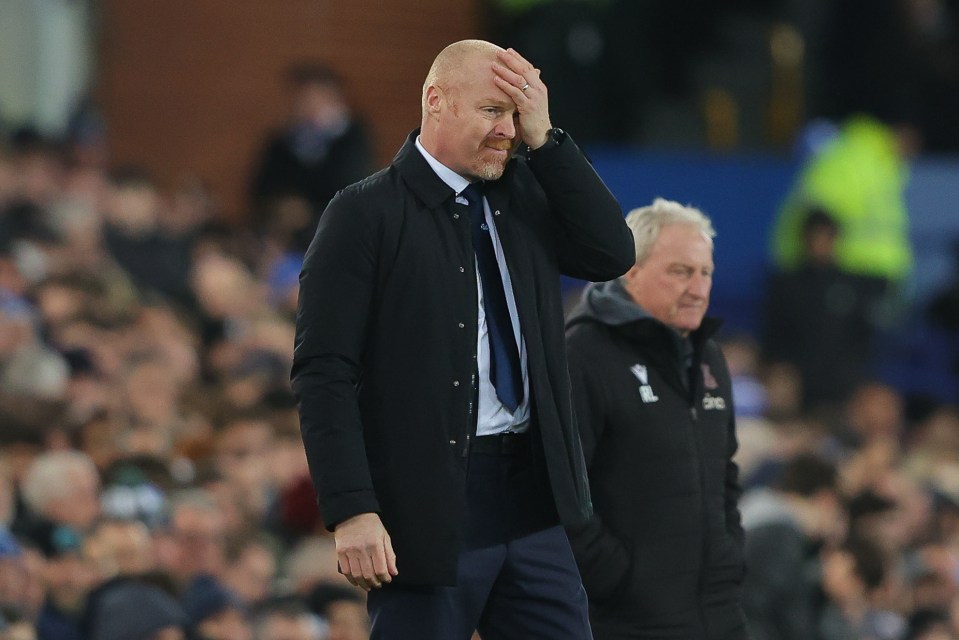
(452, 441)
(496, 213)
(456, 216)
(461, 325)
(456, 383)
(462, 269)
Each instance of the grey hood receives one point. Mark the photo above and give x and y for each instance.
(608, 303)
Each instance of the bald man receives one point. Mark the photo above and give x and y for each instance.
(430, 364)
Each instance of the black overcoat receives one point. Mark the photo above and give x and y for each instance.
(385, 356)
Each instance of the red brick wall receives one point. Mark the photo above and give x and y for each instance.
(189, 87)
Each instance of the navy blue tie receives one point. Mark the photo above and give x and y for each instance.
(504, 357)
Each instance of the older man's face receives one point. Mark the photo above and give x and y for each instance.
(674, 281)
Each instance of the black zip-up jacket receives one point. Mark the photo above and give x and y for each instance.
(662, 555)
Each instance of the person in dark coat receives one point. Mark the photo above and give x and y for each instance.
(662, 556)
(430, 368)
(821, 319)
(323, 147)
(787, 525)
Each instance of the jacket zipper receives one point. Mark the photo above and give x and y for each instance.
(704, 500)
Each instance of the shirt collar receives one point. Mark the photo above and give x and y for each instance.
(453, 180)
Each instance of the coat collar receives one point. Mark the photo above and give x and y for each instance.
(419, 175)
(429, 187)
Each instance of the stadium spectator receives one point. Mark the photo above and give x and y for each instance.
(818, 319)
(785, 525)
(858, 178)
(323, 147)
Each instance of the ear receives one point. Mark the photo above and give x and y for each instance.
(630, 275)
(434, 100)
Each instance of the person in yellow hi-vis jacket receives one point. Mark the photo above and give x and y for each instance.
(859, 179)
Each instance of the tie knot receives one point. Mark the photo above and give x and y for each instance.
(473, 193)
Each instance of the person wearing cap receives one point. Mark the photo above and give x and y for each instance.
(215, 612)
(134, 610)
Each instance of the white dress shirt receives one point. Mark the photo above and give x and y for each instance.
(492, 416)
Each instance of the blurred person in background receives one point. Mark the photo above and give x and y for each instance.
(854, 577)
(23, 589)
(137, 609)
(28, 367)
(817, 317)
(70, 577)
(662, 555)
(120, 548)
(156, 261)
(230, 300)
(311, 562)
(287, 619)
(214, 611)
(786, 525)
(151, 406)
(194, 543)
(344, 610)
(60, 489)
(250, 569)
(38, 170)
(241, 454)
(322, 148)
(457, 457)
(929, 624)
(859, 179)
(60, 493)
(872, 419)
(12, 569)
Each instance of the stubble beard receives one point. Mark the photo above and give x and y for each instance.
(491, 170)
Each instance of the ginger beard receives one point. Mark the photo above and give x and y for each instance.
(491, 161)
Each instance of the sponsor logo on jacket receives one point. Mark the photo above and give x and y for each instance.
(714, 402)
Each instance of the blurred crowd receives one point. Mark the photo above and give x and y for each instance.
(152, 475)
(152, 478)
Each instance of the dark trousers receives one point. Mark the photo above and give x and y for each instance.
(516, 577)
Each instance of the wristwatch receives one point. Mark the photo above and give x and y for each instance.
(554, 138)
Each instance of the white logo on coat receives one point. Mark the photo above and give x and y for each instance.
(646, 393)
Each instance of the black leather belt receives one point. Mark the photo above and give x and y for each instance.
(501, 444)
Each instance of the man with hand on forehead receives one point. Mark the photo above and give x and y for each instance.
(430, 365)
